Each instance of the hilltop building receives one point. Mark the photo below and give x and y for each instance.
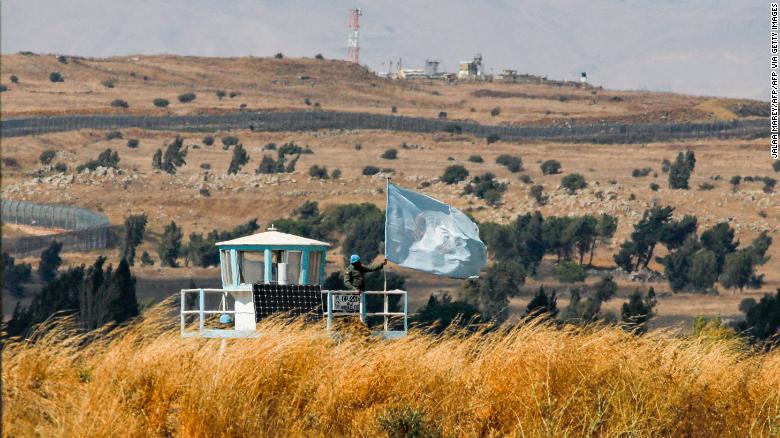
(472, 70)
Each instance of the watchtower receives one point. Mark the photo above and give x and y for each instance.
(271, 272)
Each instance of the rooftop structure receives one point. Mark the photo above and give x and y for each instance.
(471, 69)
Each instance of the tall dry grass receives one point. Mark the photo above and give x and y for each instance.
(531, 380)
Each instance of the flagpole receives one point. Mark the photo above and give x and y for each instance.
(387, 204)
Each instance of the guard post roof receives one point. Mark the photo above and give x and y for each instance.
(273, 239)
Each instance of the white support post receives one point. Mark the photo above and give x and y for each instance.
(330, 312)
(406, 311)
(181, 313)
(387, 309)
(363, 307)
(202, 308)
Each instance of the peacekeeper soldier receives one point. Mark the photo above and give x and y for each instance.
(354, 273)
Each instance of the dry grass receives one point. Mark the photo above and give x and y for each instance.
(272, 84)
(531, 380)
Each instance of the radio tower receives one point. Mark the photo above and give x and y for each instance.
(353, 36)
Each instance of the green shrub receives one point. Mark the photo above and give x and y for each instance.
(680, 171)
(56, 77)
(208, 140)
(187, 97)
(776, 166)
(492, 138)
(267, 165)
(514, 164)
(240, 157)
(132, 143)
(318, 172)
(570, 272)
(638, 173)
(119, 103)
(390, 154)
(537, 192)
(606, 288)
(551, 167)
(454, 174)
(46, 156)
(14, 79)
(319, 57)
(769, 184)
(279, 55)
(229, 140)
(108, 83)
(476, 159)
(635, 314)
(336, 174)
(113, 135)
(107, 158)
(61, 167)
(220, 94)
(160, 102)
(393, 109)
(486, 187)
(573, 182)
(370, 170)
(146, 259)
(3, 88)
(654, 187)
(526, 179)
(495, 111)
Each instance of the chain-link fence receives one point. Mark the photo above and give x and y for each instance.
(83, 230)
(604, 132)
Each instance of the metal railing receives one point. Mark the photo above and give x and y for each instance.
(386, 314)
(203, 313)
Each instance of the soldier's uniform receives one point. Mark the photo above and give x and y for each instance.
(354, 273)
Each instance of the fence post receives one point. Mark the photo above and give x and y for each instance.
(181, 312)
(330, 312)
(387, 309)
(406, 312)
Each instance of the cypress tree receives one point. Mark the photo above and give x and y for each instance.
(50, 261)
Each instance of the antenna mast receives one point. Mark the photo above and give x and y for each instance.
(353, 35)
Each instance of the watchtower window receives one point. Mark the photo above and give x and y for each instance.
(294, 259)
(315, 265)
(226, 268)
(251, 267)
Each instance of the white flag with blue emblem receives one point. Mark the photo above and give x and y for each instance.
(425, 234)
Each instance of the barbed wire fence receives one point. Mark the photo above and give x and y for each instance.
(603, 132)
(83, 230)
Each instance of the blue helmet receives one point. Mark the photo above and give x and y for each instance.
(354, 258)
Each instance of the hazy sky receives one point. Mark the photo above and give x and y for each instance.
(713, 47)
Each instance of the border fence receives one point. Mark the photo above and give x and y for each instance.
(602, 132)
(84, 229)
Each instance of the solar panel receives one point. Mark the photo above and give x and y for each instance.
(293, 299)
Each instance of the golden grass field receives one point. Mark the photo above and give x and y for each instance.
(272, 84)
(530, 380)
